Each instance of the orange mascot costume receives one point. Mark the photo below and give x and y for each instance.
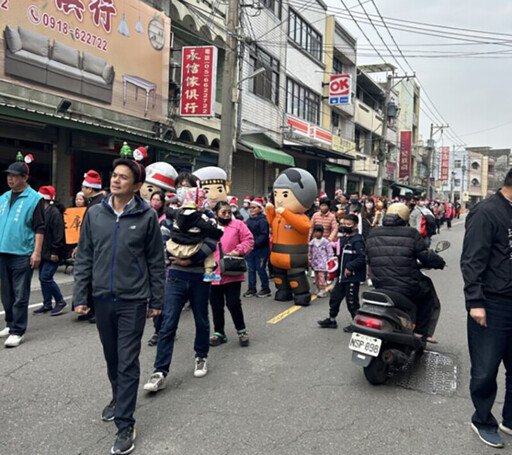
(294, 192)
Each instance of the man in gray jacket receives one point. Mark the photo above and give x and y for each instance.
(120, 253)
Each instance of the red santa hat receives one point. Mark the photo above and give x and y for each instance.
(323, 195)
(48, 192)
(247, 199)
(258, 202)
(92, 179)
(233, 201)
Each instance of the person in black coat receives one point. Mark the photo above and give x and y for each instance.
(351, 252)
(394, 250)
(51, 254)
(258, 258)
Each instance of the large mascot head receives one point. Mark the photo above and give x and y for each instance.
(212, 180)
(295, 189)
(160, 176)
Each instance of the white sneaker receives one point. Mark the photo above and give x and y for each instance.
(155, 383)
(4, 333)
(201, 367)
(13, 341)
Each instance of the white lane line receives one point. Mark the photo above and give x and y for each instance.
(67, 297)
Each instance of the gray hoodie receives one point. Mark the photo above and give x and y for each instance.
(121, 256)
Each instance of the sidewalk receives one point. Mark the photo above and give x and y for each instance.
(60, 278)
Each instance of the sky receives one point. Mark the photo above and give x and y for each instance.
(471, 94)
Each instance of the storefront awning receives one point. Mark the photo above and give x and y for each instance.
(404, 189)
(336, 169)
(262, 152)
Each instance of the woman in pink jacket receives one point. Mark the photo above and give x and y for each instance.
(236, 241)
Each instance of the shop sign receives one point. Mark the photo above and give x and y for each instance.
(113, 54)
(198, 81)
(341, 145)
(404, 174)
(339, 89)
(445, 163)
(319, 134)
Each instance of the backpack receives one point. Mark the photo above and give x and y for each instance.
(428, 225)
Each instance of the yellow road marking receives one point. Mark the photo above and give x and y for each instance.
(292, 309)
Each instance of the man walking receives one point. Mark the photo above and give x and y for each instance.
(21, 241)
(120, 254)
(486, 265)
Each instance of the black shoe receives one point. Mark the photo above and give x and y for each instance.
(153, 340)
(108, 413)
(42, 310)
(348, 329)
(264, 293)
(82, 317)
(124, 442)
(251, 292)
(92, 319)
(328, 324)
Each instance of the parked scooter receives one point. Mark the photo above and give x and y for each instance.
(383, 340)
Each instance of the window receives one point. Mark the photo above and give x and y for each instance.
(304, 35)
(457, 164)
(337, 66)
(274, 6)
(335, 121)
(265, 84)
(457, 182)
(302, 102)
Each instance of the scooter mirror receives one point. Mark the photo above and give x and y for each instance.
(442, 245)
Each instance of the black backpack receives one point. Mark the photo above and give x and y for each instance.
(430, 225)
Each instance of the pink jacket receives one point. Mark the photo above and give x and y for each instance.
(236, 237)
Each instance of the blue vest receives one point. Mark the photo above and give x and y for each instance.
(17, 235)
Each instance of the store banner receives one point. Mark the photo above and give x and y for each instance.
(198, 81)
(404, 174)
(113, 54)
(445, 163)
(339, 89)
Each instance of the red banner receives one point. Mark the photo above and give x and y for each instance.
(445, 163)
(405, 156)
(198, 81)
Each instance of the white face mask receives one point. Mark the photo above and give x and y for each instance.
(181, 191)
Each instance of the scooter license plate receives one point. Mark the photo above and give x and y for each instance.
(365, 344)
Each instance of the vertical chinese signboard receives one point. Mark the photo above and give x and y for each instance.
(445, 163)
(198, 81)
(339, 89)
(405, 156)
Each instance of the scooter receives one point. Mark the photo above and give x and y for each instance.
(383, 340)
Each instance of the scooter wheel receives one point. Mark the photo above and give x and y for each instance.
(377, 372)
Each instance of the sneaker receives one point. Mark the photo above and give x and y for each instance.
(153, 340)
(328, 324)
(124, 443)
(155, 383)
(251, 292)
(107, 414)
(264, 293)
(13, 341)
(4, 333)
(59, 309)
(490, 437)
(201, 367)
(42, 310)
(506, 428)
(348, 329)
(321, 294)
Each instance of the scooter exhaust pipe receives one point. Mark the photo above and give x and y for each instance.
(394, 357)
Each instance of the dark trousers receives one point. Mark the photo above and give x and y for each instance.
(121, 325)
(257, 263)
(347, 291)
(488, 347)
(49, 288)
(15, 279)
(227, 294)
(157, 322)
(177, 293)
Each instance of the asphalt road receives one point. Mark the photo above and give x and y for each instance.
(293, 391)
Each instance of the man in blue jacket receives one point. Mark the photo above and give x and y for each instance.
(120, 253)
(21, 241)
(351, 253)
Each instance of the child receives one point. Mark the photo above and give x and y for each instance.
(320, 251)
(351, 252)
(190, 227)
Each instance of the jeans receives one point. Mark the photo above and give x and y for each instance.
(15, 279)
(49, 287)
(488, 347)
(121, 326)
(349, 291)
(177, 292)
(257, 262)
(227, 294)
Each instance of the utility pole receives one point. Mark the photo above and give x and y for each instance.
(431, 159)
(383, 144)
(229, 89)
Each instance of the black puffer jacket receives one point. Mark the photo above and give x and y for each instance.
(393, 251)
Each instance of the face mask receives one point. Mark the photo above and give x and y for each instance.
(180, 192)
(369, 206)
(156, 204)
(346, 229)
(354, 201)
(224, 221)
(233, 208)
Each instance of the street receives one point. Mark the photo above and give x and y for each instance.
(294, 390)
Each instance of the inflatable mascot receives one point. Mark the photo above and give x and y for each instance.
(213, 180)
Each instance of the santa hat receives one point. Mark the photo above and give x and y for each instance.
(48, 192)
(258, 202)
(162, 175)
(92, 179)
(233, 201)
(323, 195)
(247, 199)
